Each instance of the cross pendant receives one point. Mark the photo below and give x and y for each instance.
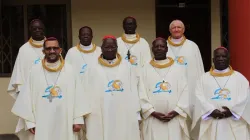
(128, 54)
(50, 98)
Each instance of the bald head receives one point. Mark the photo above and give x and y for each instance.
(36, 29)
(177, 29)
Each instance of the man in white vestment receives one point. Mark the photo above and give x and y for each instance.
(133, 48)
(52, 101)
(29, 54)
(222, 110)
(165, 108)
(114, 97)
(185, 53)
(83, 56)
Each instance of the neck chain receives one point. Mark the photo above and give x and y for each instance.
(224, 84)
(163, 77)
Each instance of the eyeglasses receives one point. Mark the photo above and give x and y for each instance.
(50, 48)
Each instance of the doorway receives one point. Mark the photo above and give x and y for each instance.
(195, 14)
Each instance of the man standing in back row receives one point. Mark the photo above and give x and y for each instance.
(29, 54)
(133, 48)
(185, 53)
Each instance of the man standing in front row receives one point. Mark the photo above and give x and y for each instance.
(114, 97)
(82, 57)
(222, 109)
(133, 48)
(187, 54)
(52, 102)
(166, 106)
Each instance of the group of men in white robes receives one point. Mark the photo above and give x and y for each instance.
(119, 92)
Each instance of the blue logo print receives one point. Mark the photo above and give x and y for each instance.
(115, 85)
(83, 69)
(52, 92)
(162, 87)
(221, 94)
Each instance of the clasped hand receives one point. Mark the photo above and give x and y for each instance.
(217, 114)
(165, 117)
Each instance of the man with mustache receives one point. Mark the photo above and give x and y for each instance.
(82, 57)
(29, 54)
(185, 53)
(165, 108)
(132, 47)
(222, 110)
(52, 102)
(115, 97)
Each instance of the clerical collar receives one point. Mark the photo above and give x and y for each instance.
(177, 41)
(86, 48)
(221, 71)
(53, 65)
(130, 37)
(162, 61)
(37, 42)
(110, 63)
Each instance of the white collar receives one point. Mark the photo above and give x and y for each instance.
(162, 61)
(37, 42)
(53, 65)
(86, 48)
(130, 37)
(176, 40)
(221, 71)
(110, 61)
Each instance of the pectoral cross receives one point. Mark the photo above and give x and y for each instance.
(128, 54)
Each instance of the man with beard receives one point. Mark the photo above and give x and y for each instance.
(165, 108)
(222, 110)
(185, 53)
(52, 102)
(133, 48)
(29, 54)
(83, 56)
(115, 97)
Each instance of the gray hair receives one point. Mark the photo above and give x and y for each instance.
(171, 24)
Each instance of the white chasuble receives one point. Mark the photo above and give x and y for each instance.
(213, 93)
(52, 102)
(81, 63)
(188, 55)
(139, 52)
(167, 91)
(115, 103)
(26, 58)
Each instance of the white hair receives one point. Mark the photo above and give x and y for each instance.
(177, 20)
